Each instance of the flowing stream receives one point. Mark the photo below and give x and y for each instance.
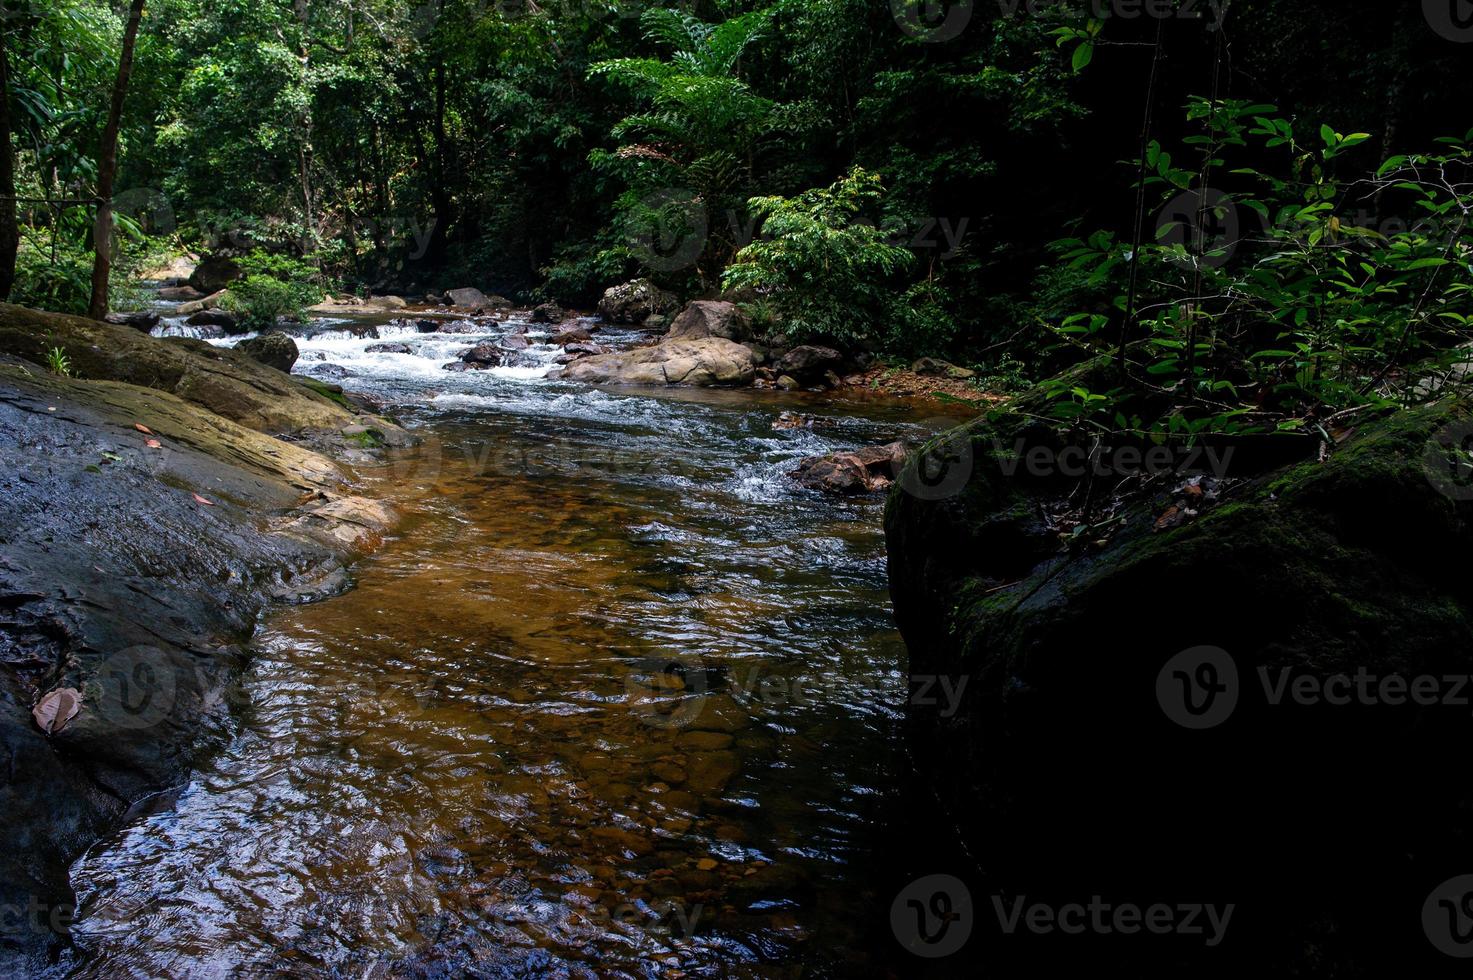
(617, 699)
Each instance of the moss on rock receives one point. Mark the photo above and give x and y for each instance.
(1062, 766)
(227, 382)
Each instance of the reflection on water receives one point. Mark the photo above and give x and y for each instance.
(617, 697)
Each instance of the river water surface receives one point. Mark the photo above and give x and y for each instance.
(617, 698)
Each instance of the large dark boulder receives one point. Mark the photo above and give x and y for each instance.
(273, 349)
(138, 321)
(635, 302)
(470, 298)
(710, 318)
(227, 322)
(809, 364)
(573, 335)
(180, 294)
(1052, 648)
(479, 358)
(214, 274)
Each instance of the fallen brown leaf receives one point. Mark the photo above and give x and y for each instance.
(143, 428)
(56, 708)
(201, 500)
(1170, 519)
(154, 444)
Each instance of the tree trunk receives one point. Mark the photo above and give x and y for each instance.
(9, 226)
(107, 171)
(439, 193)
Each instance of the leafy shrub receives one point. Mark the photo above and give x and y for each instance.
(284, 267)
(262, 300)
(274, 287)
(822, 263)
(920, 321)
(62, 285)
(1318, 315)
(579, 272)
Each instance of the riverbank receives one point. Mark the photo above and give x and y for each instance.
(153, 510)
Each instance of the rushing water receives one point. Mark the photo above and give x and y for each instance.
(618, 698)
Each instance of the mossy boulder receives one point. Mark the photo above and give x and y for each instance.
(229, 383)
(274, 349)
(214, 273)
(1071, 761)
(635, 302)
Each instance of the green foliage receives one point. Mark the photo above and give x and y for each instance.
(1313, 312)
(260, 262)
(920, 321)
(552, 149)
(62, 283)
(822, 262)
(696, 142)
(581, 269)
(262, 300)
(275, 287)
(57, 362)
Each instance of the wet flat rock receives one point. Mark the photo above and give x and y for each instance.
(140, 538)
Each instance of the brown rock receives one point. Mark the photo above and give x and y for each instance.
(701, 363)
(864, 471)
(710, 318)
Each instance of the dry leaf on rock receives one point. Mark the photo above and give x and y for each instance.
(56, 708)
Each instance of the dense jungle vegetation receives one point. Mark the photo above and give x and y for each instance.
(1258, 209)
